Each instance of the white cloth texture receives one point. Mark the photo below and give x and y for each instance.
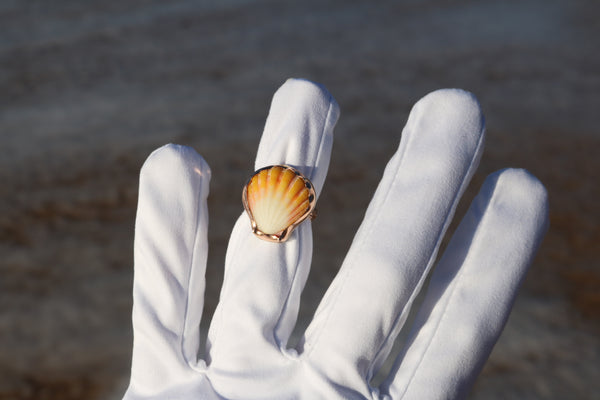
(467, 301)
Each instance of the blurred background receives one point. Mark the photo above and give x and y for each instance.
(89, 89)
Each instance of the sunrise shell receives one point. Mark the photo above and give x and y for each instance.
(277, 198)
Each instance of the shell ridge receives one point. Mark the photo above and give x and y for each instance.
(251, 194)
(284, 206)
(296, 203)
(300, 210)
(299, 192)
(265, 198)
(279, 192)
(269, 192)
(273, 200)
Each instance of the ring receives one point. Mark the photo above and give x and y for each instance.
(278, 198)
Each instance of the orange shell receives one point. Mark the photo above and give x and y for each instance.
(277, 198)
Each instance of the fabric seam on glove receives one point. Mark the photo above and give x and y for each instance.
(369, 229)
(192, 363)
(449, 216)
(453, 285)
(322, 135)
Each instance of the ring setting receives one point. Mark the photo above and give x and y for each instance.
(277, 199)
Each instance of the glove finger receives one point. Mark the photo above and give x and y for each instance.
(472, 289)
(367, 303)
(260, 297)
(170, 252)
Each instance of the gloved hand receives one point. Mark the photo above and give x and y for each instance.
(464, 310)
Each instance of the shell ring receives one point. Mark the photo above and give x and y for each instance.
(278, 198)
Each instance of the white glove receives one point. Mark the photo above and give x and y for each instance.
(465, 308)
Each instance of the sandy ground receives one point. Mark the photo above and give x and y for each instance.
(89, 89)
